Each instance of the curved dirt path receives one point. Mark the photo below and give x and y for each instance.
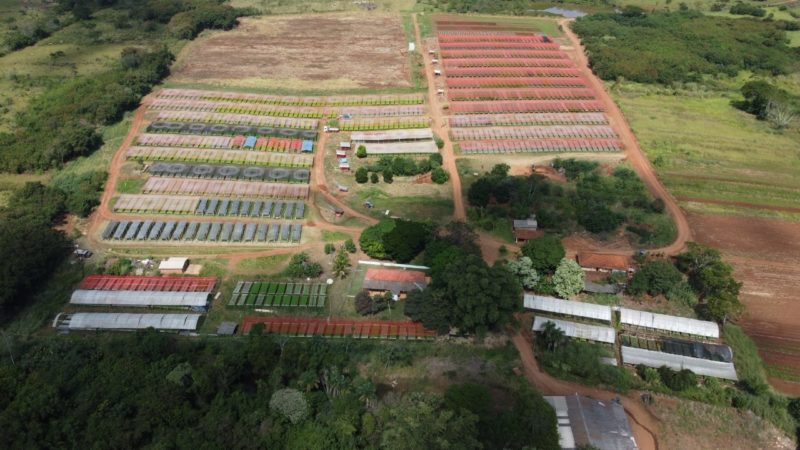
(633, 151)
(439, 126)
(643, 423)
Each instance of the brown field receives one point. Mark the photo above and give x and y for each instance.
(319, 53)
(766, 255)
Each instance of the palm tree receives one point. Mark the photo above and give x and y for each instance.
(552, 336)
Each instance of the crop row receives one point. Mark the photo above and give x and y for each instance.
(520, 94)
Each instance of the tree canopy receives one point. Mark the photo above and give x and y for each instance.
(666, 47)
(397, 239)
(569, 278)
(545, 252)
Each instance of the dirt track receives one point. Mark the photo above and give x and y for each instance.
(633, 152)
(643, 423)
(439, 125)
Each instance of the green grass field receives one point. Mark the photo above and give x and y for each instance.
(703, 147)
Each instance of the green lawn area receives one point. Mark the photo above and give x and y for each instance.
(702, 147)
(263, 263)
(437, 209)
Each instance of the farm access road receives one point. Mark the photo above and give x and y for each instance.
(633, 151)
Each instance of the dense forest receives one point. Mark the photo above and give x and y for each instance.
(664, 47)
(153, 390)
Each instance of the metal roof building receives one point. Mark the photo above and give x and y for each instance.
(400, 148)
(583, 421)
(414, 134)
(578, 330)
(127, 321)
(139, 298)
(674, 324)
(705, 367)
(568, 307)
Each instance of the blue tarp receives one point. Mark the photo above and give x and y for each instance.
(308, 146)
(250, 141)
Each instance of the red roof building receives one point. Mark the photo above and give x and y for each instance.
(398, 282)
(604, 262)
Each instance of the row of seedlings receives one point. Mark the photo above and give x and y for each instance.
(203, 128)
(543, 145)
(258, 294)
(149, 230)
(237, 119)
(214, 156)
(253, 208)
(229, 172)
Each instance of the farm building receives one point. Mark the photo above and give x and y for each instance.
(594, 288)
(568, 308)
(344, 146)
(398, 282)
(344, 165)
(227, 328)
(126, 321)
(704, 367)
(145, 299)
(525, 230)
(634, 319)
(604, 262)
(410, 141)
(173, 265)
(341, 154)
(307, 146)
(585, 422)
(606, 335)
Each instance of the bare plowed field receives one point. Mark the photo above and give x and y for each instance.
(766, 255)
(322, 53)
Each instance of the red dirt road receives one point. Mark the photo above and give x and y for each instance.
(439, 126)
(633, 152)
(644, 424)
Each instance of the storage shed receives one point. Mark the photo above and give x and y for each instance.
(307, 146)
(567, 308)
(596, 333)
(127, 321)
(174, 265)
(585, 422)
(605, 262)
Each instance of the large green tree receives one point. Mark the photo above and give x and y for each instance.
(545, 252)
(569, 278)
(655, 277)
(421, 421)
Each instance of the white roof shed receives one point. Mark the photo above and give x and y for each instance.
(673, 324)
(127, 321)
(568, 307)
(139, 298)
(705, 367)
(578, 330)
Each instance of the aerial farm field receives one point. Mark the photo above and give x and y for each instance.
(308, 53)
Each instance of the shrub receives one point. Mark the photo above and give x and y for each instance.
(361, 152)
(301, 266)
(373, 178)
(439, 176)
(289, 403)
(362, 175)
(677, 381)
(388, 176)
(744, 9)
(329, 248)
(350, 246)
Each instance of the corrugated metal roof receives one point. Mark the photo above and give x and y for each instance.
(400, 148)
(392, 135)
(139, 298)
(583, 421)
(568, 307)
(128, 321)
(631, 355)
(669, 323)
(578, 330)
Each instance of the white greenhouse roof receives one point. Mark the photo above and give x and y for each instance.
(568, 307)
(672, 324)
(402, 148)
(705, 367)
(578, 330)
(392, 135)
(127, 321)
(139, 298)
